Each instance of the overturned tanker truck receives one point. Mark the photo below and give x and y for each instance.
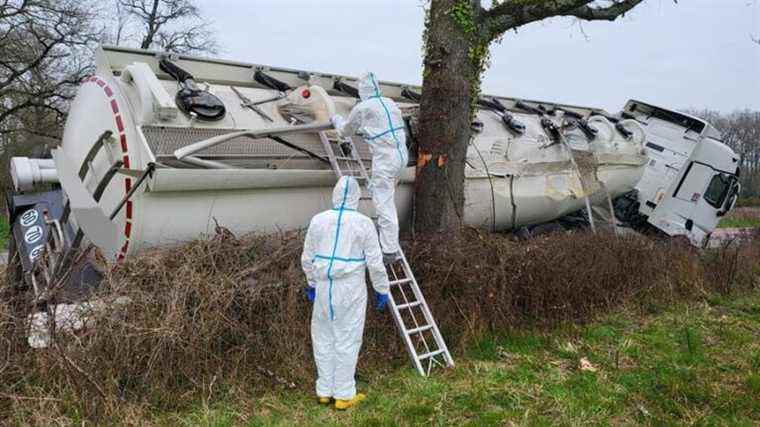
(158, 148)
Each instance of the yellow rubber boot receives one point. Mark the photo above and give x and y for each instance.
(345, 404)
(324, 400)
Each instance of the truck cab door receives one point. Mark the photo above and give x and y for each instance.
(694, 203)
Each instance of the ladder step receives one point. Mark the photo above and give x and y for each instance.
(420, 329)
(346, 159)
(410, 305)
(431, 354)
(400, 282)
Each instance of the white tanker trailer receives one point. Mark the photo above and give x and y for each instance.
(141, 164)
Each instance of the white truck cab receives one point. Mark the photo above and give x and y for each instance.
(691, 179)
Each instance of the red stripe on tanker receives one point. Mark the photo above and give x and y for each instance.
(124, 148)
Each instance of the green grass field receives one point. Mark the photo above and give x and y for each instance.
(739, 223)
(693, 364)
(5, 230)
(746, 217)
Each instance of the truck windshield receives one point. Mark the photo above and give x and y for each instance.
(717, 191)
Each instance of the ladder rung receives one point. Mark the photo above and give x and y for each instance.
(420, 329)
(431, 354)
(346, 159)
(400, 282)
(410, 305)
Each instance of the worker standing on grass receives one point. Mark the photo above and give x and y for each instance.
(340, 245)
(378, 120)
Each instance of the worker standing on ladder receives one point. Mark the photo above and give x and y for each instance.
(379, 122)
(340, 245)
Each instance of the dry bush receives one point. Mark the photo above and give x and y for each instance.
(224, 315)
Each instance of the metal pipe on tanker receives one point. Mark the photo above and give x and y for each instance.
(183, 152)
(208, 164)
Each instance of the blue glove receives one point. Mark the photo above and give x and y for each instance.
(311, 293)
(381, 300)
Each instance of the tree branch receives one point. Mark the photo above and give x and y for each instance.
(509, 15)
(609, 13)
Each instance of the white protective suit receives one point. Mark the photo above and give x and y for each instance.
(379, 122)
(339, 245)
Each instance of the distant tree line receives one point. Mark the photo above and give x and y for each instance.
(741, 132)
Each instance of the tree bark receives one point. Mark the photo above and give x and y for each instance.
(444, 122)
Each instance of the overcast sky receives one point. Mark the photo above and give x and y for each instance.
(696, 53)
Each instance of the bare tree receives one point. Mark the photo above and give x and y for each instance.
(171, 25)
(41, 43)
(458, 35)
(122, 20)
(45, 51)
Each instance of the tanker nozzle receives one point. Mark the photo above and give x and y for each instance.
(26, 173)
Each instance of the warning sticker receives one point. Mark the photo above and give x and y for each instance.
(29, 217)
(33, 235)
(36, 252)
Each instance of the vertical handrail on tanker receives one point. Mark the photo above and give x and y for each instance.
(186, 152)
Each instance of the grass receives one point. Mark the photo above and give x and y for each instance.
(745, 217)
(5, 230)
(693, 364)
(215, 329)
(739, 223)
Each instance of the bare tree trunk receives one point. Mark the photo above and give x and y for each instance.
(151, 26)
(444, 129)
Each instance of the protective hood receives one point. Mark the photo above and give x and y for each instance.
(346, 193)
(368, 87)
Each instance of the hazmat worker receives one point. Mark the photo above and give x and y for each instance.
(340, 245)
(379, 122)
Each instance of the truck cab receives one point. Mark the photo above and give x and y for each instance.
(691, 180)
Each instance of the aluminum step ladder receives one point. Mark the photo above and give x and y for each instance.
(411, 313)
(345, 161)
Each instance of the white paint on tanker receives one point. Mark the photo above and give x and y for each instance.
(533, 180)
(522, 179)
